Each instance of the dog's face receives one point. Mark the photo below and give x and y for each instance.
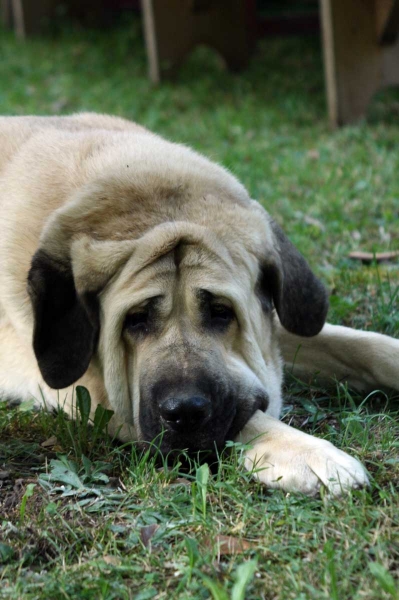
(180, 326)
(180, 321)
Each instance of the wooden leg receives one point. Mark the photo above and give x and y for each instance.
(355, 64)
(387, 20)
(19, 19)
(25, 16)
(33, 16)
(5, 13)
(173, 28)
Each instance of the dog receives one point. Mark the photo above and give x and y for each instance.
(140, 269)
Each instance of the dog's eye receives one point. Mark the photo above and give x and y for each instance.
(136, 322)
(221, 315)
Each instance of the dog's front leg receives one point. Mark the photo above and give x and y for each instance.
(285, 458)
(364, 359)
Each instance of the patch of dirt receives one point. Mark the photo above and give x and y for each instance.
(20, 464)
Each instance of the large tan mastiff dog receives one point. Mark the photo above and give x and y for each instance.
(140, 269)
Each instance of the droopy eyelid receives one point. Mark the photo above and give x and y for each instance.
(145, 304)
(213, 297)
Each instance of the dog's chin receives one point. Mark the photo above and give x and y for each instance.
(201, 443)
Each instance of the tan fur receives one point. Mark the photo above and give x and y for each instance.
(111, 201)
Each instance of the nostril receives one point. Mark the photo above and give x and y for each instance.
(186, 412)
(171, 409)
(198, 405)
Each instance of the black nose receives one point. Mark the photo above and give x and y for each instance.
(185, 414)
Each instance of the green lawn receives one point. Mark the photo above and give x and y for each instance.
(122, 527)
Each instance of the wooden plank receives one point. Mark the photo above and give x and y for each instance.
(356, 66)
(330, 71)
(19, 20)
(27, 16)
(387, 20)
(382, 11)
(151, 41)
(390, 65)
(5, 8)
(173, 28)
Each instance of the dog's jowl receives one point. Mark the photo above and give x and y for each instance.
(140, 269)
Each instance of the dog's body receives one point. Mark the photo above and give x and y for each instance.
(152, 278)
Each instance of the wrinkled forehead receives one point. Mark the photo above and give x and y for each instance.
(189, 263)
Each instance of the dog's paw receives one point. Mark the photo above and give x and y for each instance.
(306, 468)
(288, 459)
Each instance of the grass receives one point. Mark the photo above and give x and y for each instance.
(84, 517)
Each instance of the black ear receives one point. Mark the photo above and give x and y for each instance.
(299, 297)
(66, 325)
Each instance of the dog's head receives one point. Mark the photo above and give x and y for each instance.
(178, 316)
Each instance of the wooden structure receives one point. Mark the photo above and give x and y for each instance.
(360, 39)
(174, 27)
(361, 53)
(27, 17)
